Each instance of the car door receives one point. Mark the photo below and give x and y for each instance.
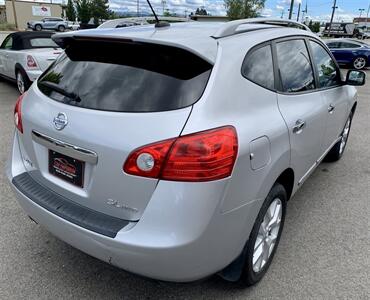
(333, 92)
(5, 56)
(46, 23)
(300, 104)
(52, 23)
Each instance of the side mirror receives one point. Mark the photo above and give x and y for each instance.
(356, 78)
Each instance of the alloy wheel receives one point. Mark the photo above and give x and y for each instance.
(359, 63)
(267, 235)
(345, 135)
(20, 83)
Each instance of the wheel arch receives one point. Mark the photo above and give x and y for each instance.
(286, 179)
(19, 67)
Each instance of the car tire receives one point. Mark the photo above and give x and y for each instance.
(61, 28)
(337, 151)
(38, 27)
(23, 83)
(359, 63)
(257, 262)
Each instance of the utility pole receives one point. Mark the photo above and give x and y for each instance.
(137, 8)
(163, 6)
(299, 11)
(367, 17)
(291, 9)
(15, 15)
(304, 12)
(332, 16)
(282, 13)
(361, 11)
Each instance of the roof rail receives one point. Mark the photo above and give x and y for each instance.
(230, 28)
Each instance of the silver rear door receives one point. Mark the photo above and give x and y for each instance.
(301, 105)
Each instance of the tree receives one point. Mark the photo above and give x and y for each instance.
(314, 26)
(99, 10)
(70, 11)
(241, 9)
(83, 11)
(201, 11)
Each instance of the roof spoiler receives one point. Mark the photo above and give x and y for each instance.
(231, 28)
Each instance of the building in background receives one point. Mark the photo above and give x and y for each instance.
(28, 11)
(2, 14)
(363, 23)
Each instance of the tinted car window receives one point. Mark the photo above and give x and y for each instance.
(333, 45)
(348, 45)
(43, 43)
(325, 65)
(126, 77)
(295, 66)
(258, 67)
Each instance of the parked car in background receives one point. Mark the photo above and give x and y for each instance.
(25, 55)
(353, 53)
(122, 22)
(73, 25)
(135, 21)
(205, 131)
(57, 24)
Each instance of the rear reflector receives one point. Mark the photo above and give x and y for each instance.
(18, 113)
(203, 156)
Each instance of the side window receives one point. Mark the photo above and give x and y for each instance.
(326, 68)
(8, 43)
(346, 45)
(258, 67)
(333, 45)
(294, 66)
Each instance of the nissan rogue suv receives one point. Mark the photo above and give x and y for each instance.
(172, 152)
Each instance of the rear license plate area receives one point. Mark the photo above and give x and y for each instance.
(67, 168)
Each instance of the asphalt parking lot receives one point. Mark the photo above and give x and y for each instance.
(323, 253)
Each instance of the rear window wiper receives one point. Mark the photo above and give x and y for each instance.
(53, 86)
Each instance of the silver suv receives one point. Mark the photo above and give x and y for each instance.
(58, 24)
(172, 152)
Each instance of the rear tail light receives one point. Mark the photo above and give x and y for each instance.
(203, 156)
(31, 63)
(18, 113)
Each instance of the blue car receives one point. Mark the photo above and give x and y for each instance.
(350, 52)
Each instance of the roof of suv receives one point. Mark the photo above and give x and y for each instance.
(198, 37)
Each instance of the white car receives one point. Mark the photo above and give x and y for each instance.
(73, 25)
(25, 55)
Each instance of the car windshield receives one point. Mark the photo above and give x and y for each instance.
(126, 77)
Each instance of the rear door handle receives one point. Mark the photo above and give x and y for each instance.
(299, 126)
(331, 108)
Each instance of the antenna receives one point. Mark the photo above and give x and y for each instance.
(157, 22)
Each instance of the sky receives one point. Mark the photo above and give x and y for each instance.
(317, 9)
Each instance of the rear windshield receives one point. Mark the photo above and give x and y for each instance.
(126, 77)
(43, 43)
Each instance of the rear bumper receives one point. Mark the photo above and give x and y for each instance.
(182, 235)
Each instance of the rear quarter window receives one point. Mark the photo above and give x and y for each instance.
(258, 67)
(126, 77)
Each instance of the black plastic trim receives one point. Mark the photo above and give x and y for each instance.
(66, 209)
